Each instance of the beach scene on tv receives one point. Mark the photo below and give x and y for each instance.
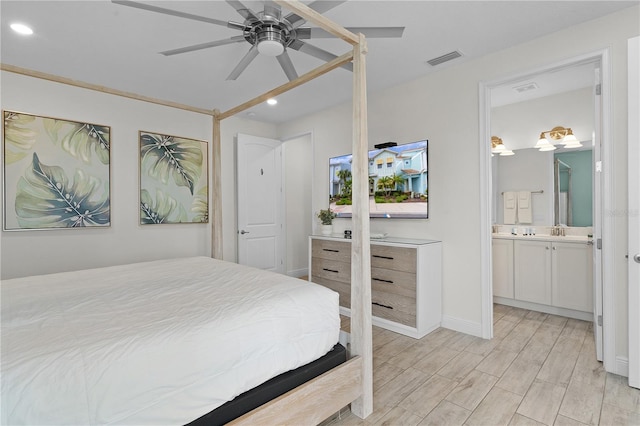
(398, 182)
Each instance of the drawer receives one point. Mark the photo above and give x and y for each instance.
(331, 270)
(396, 302)
(398, 282)
(393, 314)
(343, 289)
(391, 257)
(331, 250)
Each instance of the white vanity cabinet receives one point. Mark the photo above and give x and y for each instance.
(543, 274)
(406, 280)
(572, 276)
(502, 252)
(532, 271)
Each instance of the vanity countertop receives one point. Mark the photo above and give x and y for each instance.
(567, 238)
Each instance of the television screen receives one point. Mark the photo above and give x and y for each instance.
(398, 182)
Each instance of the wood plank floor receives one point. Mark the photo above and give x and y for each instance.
(539, 369)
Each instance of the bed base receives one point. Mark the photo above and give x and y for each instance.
(313, 401)
(273, 388)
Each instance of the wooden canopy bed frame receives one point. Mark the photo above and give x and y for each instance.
(352, 381)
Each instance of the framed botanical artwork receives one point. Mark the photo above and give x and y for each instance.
(56, 173)
(174, 179)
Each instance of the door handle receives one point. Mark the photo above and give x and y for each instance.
(637, 258)
(244, 232)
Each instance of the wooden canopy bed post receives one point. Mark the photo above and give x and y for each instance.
(361, 333)
(216, 190)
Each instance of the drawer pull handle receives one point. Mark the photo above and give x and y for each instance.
(333, 251)
(330, 270)
(382, 257)
(380, 304)
(381, 280)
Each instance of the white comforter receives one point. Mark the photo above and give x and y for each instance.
(159, 342)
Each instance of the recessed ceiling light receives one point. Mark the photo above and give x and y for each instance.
(272, 101)
(21, 29)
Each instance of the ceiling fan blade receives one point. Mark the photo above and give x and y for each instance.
(171, 12)
(320, 6)
(317, 52)
(369, 32)
(243, 10)
(244, 63)
(287, 66)
(235, 39)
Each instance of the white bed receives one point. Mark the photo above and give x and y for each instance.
(160, 342)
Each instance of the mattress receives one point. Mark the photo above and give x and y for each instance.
(160, 342)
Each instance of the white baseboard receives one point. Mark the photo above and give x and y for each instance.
(570, 313)
(298, 272)
(463, 326)
(622, 366)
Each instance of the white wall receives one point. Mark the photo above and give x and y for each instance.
(298, 164)
(37, 252)
(444, 108)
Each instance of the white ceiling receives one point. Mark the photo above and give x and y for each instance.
(99, 42)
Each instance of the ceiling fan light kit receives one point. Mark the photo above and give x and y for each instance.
(270, 43)
(268, 33)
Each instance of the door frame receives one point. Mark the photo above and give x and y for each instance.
(608, 296)
(634, 207)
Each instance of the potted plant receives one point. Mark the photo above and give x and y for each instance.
(326, 219)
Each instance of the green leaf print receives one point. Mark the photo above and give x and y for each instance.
(46, 199)
(200, 206)
(80, 139)
(19, 138)
(164, 210)
(165, 156)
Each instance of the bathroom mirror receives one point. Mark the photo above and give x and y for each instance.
(562, 196)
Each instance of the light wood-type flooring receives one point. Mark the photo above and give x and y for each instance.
(539, 369)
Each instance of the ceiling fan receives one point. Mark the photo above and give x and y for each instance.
(269, 33)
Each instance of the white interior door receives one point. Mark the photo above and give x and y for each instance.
(260, 203)
(634, 212)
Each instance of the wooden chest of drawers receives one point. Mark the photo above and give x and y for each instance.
(405, 280)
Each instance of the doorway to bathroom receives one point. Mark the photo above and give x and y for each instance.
(588, 73)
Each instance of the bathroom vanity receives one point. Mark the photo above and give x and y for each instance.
(552, 274)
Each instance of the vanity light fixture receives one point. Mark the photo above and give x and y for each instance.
(570, 141)
(497, 147)
(558, 135)
(543, 144)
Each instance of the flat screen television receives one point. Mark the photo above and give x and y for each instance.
(398, 182)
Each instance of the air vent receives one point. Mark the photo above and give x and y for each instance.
(444, 58)
(525, 87)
